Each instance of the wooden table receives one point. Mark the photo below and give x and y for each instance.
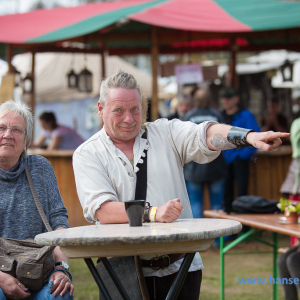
(182, 236)
(258, 222)
(266, 175)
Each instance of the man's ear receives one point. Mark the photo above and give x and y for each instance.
(100, 109)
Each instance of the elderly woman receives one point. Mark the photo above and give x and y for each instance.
(19, 217)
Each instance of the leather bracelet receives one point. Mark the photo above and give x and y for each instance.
(146, 214)
(237, 136)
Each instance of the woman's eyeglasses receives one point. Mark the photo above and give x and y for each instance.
(14, 130)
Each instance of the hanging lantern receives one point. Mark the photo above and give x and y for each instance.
(28, 84)
(85, 81)
(18, 78)
(72, 79)
(287, 71)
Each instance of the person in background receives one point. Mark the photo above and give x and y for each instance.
(61, 137)
(237, 161)
(198, 175)
(289, 269)
(184, 104)
(291, 185)
(106, 166)
(273, 119)
(19, 217)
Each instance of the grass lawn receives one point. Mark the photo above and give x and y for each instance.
(236, 266)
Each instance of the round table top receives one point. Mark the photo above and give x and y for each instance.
(122, 234)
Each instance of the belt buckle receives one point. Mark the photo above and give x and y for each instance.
(159, 258)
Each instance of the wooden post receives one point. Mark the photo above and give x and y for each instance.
(32, 95)
(103, 60)
(8, 57)
(154, 58)
(233, 79)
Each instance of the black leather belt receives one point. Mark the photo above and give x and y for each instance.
(162, 262)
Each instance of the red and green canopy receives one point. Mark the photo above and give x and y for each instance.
(210, 16)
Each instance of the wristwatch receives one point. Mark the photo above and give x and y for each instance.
(63, 264)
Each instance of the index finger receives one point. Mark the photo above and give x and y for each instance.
(276, 135)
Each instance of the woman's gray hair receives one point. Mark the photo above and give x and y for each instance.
(23, 110)
(121, 79)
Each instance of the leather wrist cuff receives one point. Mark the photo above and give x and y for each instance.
(237, 136)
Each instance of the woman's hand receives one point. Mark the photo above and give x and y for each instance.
(61, 284)
(12, 288)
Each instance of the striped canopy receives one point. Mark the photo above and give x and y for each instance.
(217, 18)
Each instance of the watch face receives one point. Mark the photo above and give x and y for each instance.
(65, 265)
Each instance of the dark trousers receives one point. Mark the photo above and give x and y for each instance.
(237, 171)
(158, 287)
(289, 267)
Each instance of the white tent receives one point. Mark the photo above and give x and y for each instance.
(52, 68)
(267, 61)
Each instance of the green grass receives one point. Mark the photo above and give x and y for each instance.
(236, 266)
(84, 283)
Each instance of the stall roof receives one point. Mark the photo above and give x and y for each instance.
(57, 24)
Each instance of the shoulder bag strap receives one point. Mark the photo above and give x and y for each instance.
(141, 180)
(141, 194)
(36, 199)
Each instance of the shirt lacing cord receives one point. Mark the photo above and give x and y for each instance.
(242, 143)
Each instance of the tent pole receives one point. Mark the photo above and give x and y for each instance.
(103, 59)
(233, 81)
(32, 95)
(154, 59)
(8, 57)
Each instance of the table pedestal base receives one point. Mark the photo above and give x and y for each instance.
(174, 289)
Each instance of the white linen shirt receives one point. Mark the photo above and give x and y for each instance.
(103, 172)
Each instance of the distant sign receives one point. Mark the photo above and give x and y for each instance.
(7, 88)
(186, 74)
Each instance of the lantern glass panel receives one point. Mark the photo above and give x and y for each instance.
(72, 79)
(85, 81)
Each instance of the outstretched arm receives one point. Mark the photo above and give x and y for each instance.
(216, 138)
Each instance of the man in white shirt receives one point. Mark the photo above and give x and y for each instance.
(105, 168)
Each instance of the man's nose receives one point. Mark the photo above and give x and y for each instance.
(128, 117)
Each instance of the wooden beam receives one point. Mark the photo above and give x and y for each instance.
(233, 80)
(165, 49)
(103, 61)
(8, 57)
(32, 95)
(154, 58)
